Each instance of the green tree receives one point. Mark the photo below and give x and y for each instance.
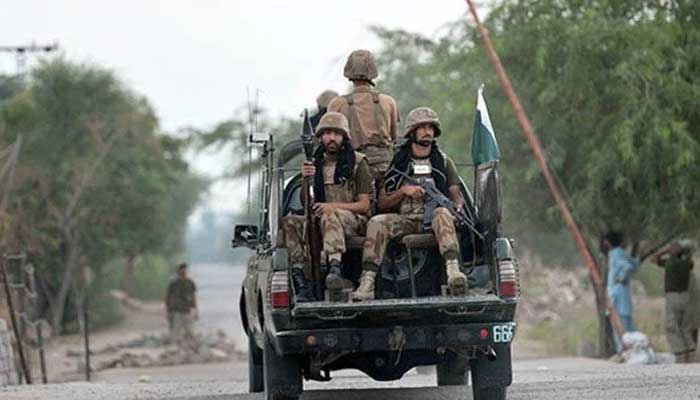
(610, 87)
(96, 179)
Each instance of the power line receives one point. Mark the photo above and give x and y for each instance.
(22, 52)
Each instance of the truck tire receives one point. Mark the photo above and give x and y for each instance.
(255, 366)
(282, 374)
(451, 373)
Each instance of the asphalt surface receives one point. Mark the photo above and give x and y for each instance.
(558, 379)
(566, 378)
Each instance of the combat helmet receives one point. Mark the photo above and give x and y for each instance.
(333, 120)
(325, 98)
(418, 116)
(361, 66)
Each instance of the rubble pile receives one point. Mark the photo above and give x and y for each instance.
(150, 350)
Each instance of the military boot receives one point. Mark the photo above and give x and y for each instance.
(366, 289)
(456, 279)
(334, 279)
(301, 287)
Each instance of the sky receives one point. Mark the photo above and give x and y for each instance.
(196, 60)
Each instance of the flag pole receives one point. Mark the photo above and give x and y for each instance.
(544, 166)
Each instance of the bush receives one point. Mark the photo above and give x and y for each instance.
(104, 310)
(151, 277)
(652, 278)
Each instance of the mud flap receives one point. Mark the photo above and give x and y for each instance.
(282, 374)
(493, 374)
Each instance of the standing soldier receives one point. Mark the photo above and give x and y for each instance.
(181, 306)
(418, 157)
(373, 116)
(677, 263)
(342, 185)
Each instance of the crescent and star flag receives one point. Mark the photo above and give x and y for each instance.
(484, 145)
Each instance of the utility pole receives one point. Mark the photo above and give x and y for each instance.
(22, 52)
(541, 159)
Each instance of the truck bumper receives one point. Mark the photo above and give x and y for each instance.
(386, 338)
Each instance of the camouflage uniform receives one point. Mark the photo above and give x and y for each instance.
(335, 224)
(385, 227)
(373, 116)
(180, 300)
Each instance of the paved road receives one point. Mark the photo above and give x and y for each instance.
(219, 289)
(555, 379)
(552, 379)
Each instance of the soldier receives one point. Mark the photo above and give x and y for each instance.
(677, 262)
(342, 185)
(322, 102)
(419, 156)
(373, 116)
(181, 306)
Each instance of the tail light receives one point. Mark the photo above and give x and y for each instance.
(508, 285)
(279, 290)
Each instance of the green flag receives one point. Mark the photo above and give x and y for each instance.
(484, 145)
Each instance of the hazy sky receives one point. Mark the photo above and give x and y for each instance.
(195, 60)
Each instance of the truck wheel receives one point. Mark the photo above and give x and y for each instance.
(451, 373)
(282, 375)
(255, 366)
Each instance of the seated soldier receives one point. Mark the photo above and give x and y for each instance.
(342, 184)
(419, 157)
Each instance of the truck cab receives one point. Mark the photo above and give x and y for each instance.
(413, 321)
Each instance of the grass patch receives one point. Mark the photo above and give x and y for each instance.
(566, 336)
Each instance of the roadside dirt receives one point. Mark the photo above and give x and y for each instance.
(145, 324)
(549, 295)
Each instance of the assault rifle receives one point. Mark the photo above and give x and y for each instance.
(438, 199)
(312, 230)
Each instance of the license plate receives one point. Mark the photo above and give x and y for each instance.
(502, 333)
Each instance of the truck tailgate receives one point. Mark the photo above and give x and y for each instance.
(476, 307)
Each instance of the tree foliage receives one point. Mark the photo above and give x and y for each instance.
(611, 88)
(96, 180)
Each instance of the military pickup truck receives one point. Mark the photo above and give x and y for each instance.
(414, 320)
